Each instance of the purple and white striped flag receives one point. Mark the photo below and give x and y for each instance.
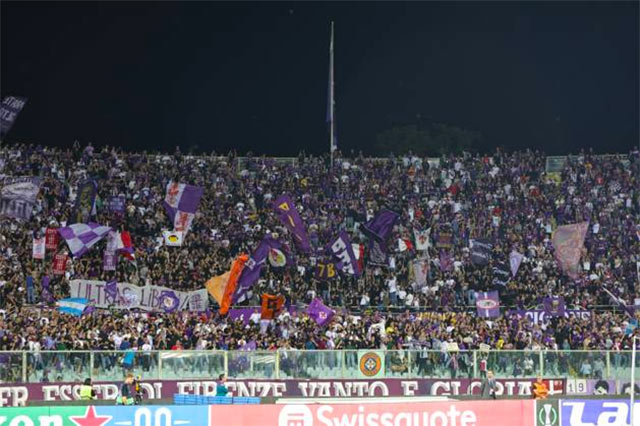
(181, 202)
(488, 304)
(80, 237)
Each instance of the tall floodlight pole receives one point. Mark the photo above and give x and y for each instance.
(331, 102)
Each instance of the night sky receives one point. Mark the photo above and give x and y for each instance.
(253, 76)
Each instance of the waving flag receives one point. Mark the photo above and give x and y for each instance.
(515, 259)
(481, 251)
(488, 304)
(421, 271)
(320, 313)
(109, 257)
(38, 248)
(52, 238)
(568, 241)
(554, 306)
(124, 245)
(223, 287)
(252, 268)
(72, 305)
(422, 239)
(81, 237)
(172, 238)
(379, 230)
(288, 215)
(271, 306)
(85, 201)
(111, 290)
(446, 261)
(60, 263)
(46, 295)
(9, 110)
(181, 203)
(381, 225)
(620, 302)
(342, 250)
(501, 274)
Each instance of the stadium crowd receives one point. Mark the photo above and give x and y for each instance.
(507, 197)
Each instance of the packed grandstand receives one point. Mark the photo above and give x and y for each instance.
(392, 253)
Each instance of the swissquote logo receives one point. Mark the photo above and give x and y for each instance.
(302, 415)
(295, 415)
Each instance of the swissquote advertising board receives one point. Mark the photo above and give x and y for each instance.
(450, 413)
(22, 394)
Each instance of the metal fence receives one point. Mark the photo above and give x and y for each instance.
(64, 366)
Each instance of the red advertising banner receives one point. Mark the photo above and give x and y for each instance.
(20, 394)
(458, 413)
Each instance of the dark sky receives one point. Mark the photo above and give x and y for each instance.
(253, 76)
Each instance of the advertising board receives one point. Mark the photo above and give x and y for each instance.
(22, 394)
(598, 412)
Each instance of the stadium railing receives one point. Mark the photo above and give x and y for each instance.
(67, 366)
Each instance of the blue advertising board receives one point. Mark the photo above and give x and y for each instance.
(599, 412)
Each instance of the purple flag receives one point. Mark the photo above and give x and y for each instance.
(289, 216)
(480, 251)
(46, 295)
(568, 241)
(116, 205)
(620, 302)
(320, 313)
(81, 237)
(515, 259)
(9, 110)
(377, 252)
(252, 267)
(18, 196)
(110, 257)
(181, 203)
(85, 202)
(381, 226)
(111, 290)
(446, 261)
(341, 248)
(501, 274)
(488, 304)
(554, 306)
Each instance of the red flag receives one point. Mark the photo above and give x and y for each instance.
(60, 264)
(124, 245)
(271, 306)
(52, 238)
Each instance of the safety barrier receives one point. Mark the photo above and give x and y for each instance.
(72, 366)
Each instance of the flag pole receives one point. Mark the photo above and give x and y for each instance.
(331, 100)
(633, 381)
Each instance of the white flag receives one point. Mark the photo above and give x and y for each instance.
(422, 239)
(172, 238)
(38, 248)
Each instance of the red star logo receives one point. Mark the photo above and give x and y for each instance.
(90, 418)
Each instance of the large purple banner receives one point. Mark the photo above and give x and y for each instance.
(18, 196)
(538, 316)
(21, 394)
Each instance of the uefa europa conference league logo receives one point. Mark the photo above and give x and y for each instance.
(547, 413)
